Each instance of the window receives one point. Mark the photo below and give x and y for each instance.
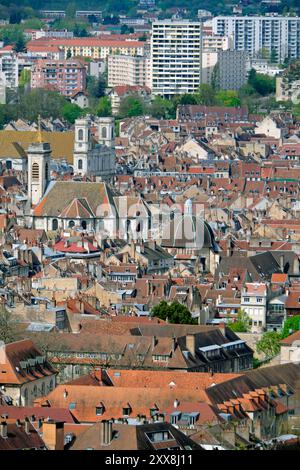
(159, 436)
(126, 411)
(71, 224)
(54, 224)
(35, 171)
(99, 410)
(246, 299)
(80, 164)
(259, 300)
(83, 224)
(80, 134)
(104, 133)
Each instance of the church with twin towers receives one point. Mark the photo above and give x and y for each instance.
(92, 159)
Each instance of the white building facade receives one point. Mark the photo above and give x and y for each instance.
(262, 34)
(90, 158)
(254, 303)
(176, 55)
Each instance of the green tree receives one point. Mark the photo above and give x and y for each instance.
(7, 329)
(261, 83)
(104, 107)
(174, 313)
(291, 325)
(269, 344)
(242, 323)
(131, 106)
(228, 98)
(206, 95)
(39, 101)
(24, 77)
(96, 86)
(70, 112)
(160, 108)
(20, 45)
(187, 98)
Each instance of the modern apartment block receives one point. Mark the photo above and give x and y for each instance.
(128, 70)
(176, 50)
(211, 45)
(53, 13)
(86, 13)
(9, 68)
(277, 36)
(232, 69)
(66, 76)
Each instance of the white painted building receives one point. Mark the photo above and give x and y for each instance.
(9, 67)
(176, 54)
(254, 303)
(255, 34)
(92, 159)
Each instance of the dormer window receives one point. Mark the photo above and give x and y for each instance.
(175, 417)
(127, 410)
(100, 409)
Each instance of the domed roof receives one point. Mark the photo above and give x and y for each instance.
(188, 231)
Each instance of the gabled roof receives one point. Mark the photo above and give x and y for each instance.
(69, 196)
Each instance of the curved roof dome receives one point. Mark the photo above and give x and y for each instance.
(188, 231)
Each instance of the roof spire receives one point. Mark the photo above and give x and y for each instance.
(39, 136)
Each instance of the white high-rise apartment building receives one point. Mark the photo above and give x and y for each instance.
(9, 68)
(176, 53)
(259, 35)
(128, 70)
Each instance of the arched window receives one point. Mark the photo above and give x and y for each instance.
(54, 224)
(104, 133)
(80, 134)
(83, 224)
(35, 171)
(71, 224)
(35, 391)
(51, 385)
(80, 164)
(8, 164)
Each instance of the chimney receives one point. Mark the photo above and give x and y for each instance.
(105, 432)
(3, 430)
(190, 344)
(53, 434)
(154, 342)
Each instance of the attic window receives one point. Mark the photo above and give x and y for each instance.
(99, 410)
(127, 410)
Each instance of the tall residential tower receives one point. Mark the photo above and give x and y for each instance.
(176, 50)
